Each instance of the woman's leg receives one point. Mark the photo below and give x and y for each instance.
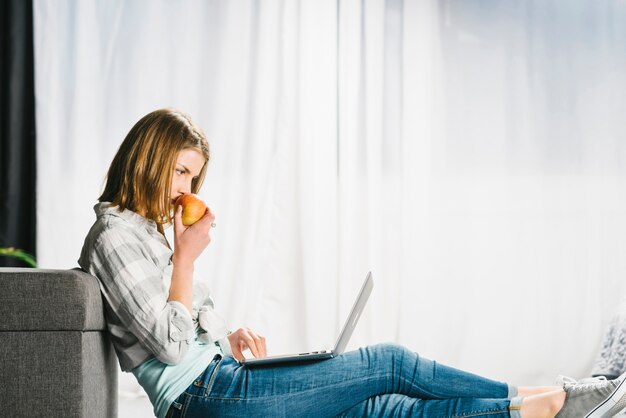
(544, 405)
(327, 388)
(396, 406)
(537, 390)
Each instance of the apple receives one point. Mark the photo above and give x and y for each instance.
(193, 208)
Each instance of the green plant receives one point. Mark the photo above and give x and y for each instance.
(19, 254)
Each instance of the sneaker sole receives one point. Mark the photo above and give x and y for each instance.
(612, 405)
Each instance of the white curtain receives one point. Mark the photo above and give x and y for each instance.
(470, 154)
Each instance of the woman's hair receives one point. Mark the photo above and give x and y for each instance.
(140, 175)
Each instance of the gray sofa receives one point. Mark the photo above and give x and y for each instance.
(56, 359)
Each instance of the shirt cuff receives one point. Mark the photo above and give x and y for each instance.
(211, 326)
(180, 324)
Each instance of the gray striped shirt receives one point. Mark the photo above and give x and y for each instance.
(132, 262)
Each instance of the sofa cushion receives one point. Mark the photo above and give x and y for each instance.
(51, 300)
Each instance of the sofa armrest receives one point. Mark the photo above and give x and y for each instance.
(53, 300)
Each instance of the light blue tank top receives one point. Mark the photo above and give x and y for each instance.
(164, 383)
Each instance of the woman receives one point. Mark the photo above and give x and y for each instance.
(166, 333)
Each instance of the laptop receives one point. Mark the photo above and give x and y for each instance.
(341, 343)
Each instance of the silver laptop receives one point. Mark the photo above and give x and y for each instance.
(342, 341)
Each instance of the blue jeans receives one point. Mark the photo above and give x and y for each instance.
(384, 380)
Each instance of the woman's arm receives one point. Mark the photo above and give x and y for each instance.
(189, 242)
(131, 283)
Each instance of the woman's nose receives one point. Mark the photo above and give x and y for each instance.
(182, 188)
(186, 187)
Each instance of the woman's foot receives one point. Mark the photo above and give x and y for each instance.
(593, 398)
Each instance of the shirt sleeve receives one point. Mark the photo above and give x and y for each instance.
(210, 326)
(133, 285)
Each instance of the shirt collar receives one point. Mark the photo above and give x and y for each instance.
(106, 208)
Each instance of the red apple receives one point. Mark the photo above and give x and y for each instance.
(193, 208)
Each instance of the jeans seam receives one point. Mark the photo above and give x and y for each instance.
(410, 382)
(212, 378)
(479, 413)
(219, 398)
(258, 398)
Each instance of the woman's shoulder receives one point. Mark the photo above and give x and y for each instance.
(123, 234)
(110, 227)
(106, 233)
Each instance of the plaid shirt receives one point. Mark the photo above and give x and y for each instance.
(132, 262)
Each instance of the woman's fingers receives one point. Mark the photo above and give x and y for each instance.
(243, 339)
(247, 339)
(192, 240)
(207, 219)
(259, 342)
(236, 350)
(178, 219)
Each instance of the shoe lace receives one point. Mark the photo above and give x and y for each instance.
(582, 384)
(566, 380)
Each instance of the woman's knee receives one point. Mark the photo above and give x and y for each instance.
(394, 364)
(391, 351)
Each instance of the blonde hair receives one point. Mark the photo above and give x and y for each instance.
(140, 175)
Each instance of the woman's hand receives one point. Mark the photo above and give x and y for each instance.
(244, 339)
(190, 241)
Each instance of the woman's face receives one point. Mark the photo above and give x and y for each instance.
(189, 163)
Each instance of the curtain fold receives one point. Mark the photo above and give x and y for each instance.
(18, 168)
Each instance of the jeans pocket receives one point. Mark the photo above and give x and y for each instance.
(207, 378)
